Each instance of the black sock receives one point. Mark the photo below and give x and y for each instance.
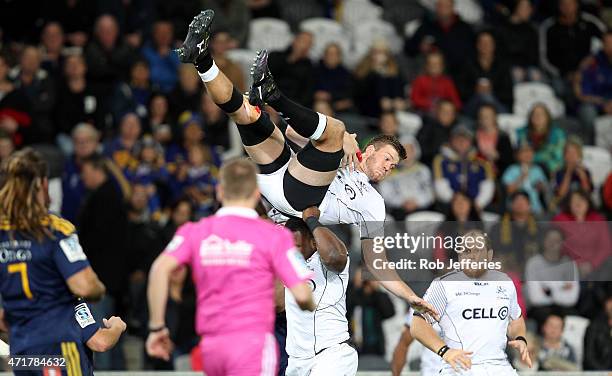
(304, 120)
(204, 63)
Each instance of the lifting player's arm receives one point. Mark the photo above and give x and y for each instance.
(516, 331)
(86, 284)
(332, 250)
(401, 352)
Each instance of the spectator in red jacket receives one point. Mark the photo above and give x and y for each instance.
(587, 237)
(432, 85)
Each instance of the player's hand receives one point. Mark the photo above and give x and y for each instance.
(115, 322)
(159, 345)
(421, 306)
(521, 347)
(351, 149)
(312, 211)
(457, 357)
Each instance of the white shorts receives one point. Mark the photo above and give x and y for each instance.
(337, 360)
(480, 370)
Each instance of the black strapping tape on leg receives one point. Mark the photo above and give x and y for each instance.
(257, 132)
(277, 163)
(233, 104)
(317, 160)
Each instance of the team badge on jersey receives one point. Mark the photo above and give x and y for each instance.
(176, 241)
(83, 315)
(72, 249)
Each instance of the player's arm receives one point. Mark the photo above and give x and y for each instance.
(390, 280)
(106, 338)
(516, 332)
(279, 296)
(157, 289)
(401, 351)
(86, 284)
(332, 251)
(302, 293)
(423, 332)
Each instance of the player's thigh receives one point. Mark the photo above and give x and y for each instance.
(309, 175)
(262, 140)
(340, 360)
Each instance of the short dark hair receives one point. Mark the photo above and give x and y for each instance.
(298, 225)
(382, 139)
(96, 161)
(238, 178)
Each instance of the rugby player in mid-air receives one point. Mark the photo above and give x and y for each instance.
(42, 272)
(292, 183)
(318, 342)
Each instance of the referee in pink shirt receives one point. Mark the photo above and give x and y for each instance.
(234, 257)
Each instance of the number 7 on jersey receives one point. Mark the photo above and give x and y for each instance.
(22, 268)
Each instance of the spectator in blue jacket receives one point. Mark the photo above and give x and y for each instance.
(594, 87)
(163, 62)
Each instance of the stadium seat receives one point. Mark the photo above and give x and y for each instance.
(510, 123)
(573, 333)
(401, 12)
(325, 31)
(269, 33)
(426, 222)
(409, 123)
(599, 162)
(355, 12)
(490, 219)
(371, 31)
(411, 28)
(469, 10)
(529, 93)
(603, 132)
(296, 11)
(244, 58)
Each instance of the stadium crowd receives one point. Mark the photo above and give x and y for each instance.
(504, 107)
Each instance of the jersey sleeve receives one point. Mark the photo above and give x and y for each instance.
(287, 262)
(515, 308)
(180, 246)
(436, 296)
(86, 322)
(69, 258)
(373, 224)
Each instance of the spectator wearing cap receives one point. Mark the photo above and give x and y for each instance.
(515, 237)
(545, 137)
(148, 168)
(555, 353)
(432, 85)
(134, 94)
(436, 130)
(334, 82)
(552, 281)
(492, 143)
(445, 32)
(409, 188)
(192, 135)
(594, 85)
(456, 168)
(163, 62)
(527, 177)
(121, 148)
(573, 174)
(598, 341)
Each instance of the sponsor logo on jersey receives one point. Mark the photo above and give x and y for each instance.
(485, 313)
(72, 249)
(350, 191)
(215, 250)
(83, 315)
(176, 241)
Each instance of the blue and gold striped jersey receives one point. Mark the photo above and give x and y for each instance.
(39, 307)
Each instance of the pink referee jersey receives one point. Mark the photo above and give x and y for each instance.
(234, 258)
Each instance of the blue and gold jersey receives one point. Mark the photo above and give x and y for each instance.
(39, 307)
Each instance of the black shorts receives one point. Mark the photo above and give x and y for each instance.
(73, 359)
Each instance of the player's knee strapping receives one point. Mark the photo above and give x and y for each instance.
(317, 160)
(306, 122)
(257, 132)
(233, 104)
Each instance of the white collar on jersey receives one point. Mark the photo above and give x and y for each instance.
(237, 211)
